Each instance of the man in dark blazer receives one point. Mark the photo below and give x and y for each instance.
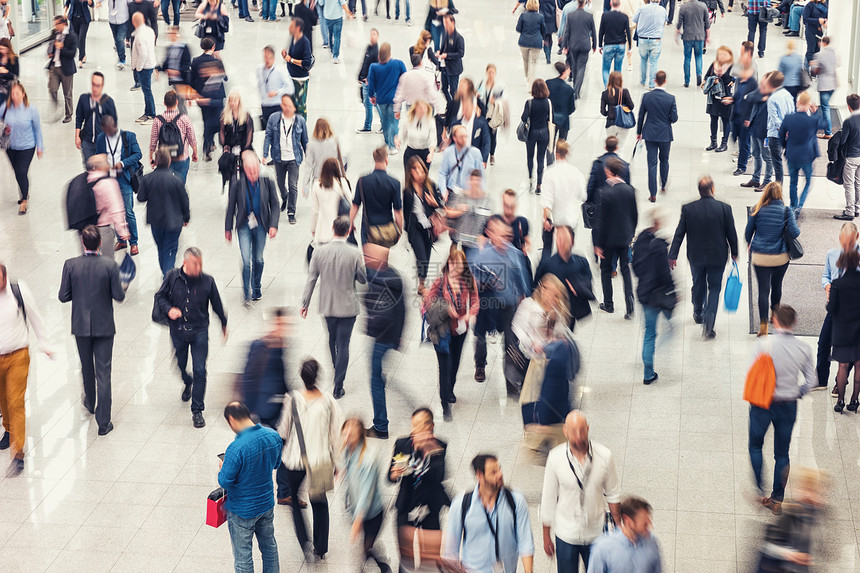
(91, 283)
(616, 224)
(61, 64)
(597, 177)
(578, 39)
(451, 52)
(657, 112)
(480, 129)
(563, 100)
(710, 230)
(252, 225)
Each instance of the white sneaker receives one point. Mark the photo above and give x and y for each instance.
(392, 151)
(336, 60)
(120, 66)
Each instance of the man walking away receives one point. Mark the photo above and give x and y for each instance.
(710, 229)
(850, 150)
(755, 20)
(333, 11)
(657, 112)
(562, 196)
(694, 29)
(338, 266)
(378, 194)
(562, 98)
(631, 548)
(612, 36)
(580, 474)
(173, 131)
(118, 21)
(17, 312)
(246, 476)
(91, 283)
(371, 56)
(578, 40)
(382, 80)
(184, 299)
(386, 314)
(143, 62)
(91, 108)
(650, 20)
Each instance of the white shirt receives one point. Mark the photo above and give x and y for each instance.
(143, 48)
(563, 192)
(117, 11)
(418, 134)
(14, 335)
(321, 420)
(286, 131)
(530, 325)
(324, 206)
(113, 145)
(4, 26)
(577, 518)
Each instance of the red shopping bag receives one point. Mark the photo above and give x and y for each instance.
(216, 514)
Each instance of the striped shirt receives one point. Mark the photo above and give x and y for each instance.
(185, 126)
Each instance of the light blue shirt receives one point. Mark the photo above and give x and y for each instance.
(650, 20)
(501, 275)
(332, 9)
(457, 165)
(274, 79)
(614, 553)
(362, 485)
(25, 126)
(477, 554)
(831, 271)
(779, 104)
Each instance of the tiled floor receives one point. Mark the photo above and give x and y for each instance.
(134, 501)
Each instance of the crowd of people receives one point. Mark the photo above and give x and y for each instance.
(447, 129)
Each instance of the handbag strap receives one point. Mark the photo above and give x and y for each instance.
(619, 97)
(299, 433)
(363, 203)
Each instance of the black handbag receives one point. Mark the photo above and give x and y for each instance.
(589, 213)
(792, 244)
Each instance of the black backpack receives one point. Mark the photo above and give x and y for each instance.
(467, 502)
(16, 292)
(170, 137)
(81, 202)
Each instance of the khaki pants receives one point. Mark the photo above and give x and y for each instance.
(14, 368)
(530, 62)
(541, 439)
(55, 78)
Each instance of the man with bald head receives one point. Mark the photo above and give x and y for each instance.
(579, 475)
(386, 314)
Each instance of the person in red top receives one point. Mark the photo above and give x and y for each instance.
(178, 165)
(458, 288)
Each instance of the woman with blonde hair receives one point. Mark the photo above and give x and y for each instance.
(719, 87)
(417, 133)
(25, 138)
(766, 227)
(538, 315)
(532, 29)
(322, 146)
(331, 197)
(235, 135)
(433, 23)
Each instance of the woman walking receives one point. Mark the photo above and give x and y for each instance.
(235, 135)
(310, 426)
(322, 147)
(9, 67)
(844, 307)
(417, 133)
(769, 221)
(791, 66)
(216, 21)
(719, 86)
(25, 138)
(331, 197)
(421, 198)
(614, 95)
(493, 107)
(538, 113)
(532, 30)
(455, 293)
(427, 50)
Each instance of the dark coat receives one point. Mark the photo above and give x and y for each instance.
(168, 201)
(608, 103)
(757, 113)
(409, 204)
(184, 68)
(764, 231)
(270, 204)
(579, 34)
(849, 145)
(79, 9)
(798, 137)
(651, 265)
(480, 134)
(532, 29)
(617, 216)
(710, 228)
(386, 306)
(191, 295)
(597, 178)
(844, 306)
(561, 95)
(547, 10)
(575, 274)
(554, 403)
(715, 106)
(91, 283)
(428, 490)
(657, 112)
(264, 381)
(455, 48)
(67, 54)
(130, 154)
(88, 118)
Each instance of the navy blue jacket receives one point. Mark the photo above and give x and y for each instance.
(743, 107)
(758, 114)
(264, 382)
(79, 9)
(561, 95)
(764, 229)
(657, 113)
(798, 137)
(651, 265)
(130, 153)
(532, 29)
(598, 176)
(850, 143)
(562, 367)
(386, 306)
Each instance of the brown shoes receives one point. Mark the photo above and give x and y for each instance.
(22, 207)
(762, 329)
(773, 505)
(289, 501)
(134, 250)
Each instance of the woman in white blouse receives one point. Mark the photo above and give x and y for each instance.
(330, 191)
(417, 133)
(541, 314)
(320, 419)
(323, 145)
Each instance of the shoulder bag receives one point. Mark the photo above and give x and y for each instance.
(624, 118)
(5, 131)
(386, 235)
(761, 380)
(792, 245)
(320, 478)
(524, 126)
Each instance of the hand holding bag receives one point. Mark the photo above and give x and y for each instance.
(732, 296)
(320, 478)
(792, 245)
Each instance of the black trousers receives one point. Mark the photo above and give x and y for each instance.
(339, 334)
(419, 239)
(825, 344)
(707, 283)
(670, 9)
(268, 110)
(547, 237)
(494, 133)
(752, 23)
(371, 529)
(20, 160)
(505, 316)
(658, 152)
(96, 357)
(715, 124)
(769, 283)
(80, 27)
(540, 145)
(319, 510)
(449, 364)
(412, 152)
(623, 254)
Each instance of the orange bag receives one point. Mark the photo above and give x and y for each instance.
(761, 381)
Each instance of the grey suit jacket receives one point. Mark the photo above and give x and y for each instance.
(338, 265)
(92, 284)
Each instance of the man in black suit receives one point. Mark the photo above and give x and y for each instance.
(597, 177)
(657, 112)
(61, 64)
(91, 283)
(563, 100)
(616, 224)
(710, 229)
(451, 53)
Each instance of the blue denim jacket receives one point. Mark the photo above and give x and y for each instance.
(246, 474)
(273, 138)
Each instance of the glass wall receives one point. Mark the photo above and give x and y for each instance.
(33, 20)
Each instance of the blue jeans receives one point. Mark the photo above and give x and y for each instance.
(761, 153)
(825, 110)
(243, 9)
(651, 315)
(377, 386)
(242, 532)
(752, 23)
(649, 54)
(693, 47)
(794, 170)
(128, 199)
(270, 10)
(613, 57)
(707, 283)
(782, 416)
(794, 18)
(118, 31)
(145, 78)
(397, 9)
(180, 168)
(436, 34)
(165, 4)
(323, 25)
(368, 108)
(743, 145)
(568, 556)
(198, 343)
(251, 245)
(389, 124)
(334, 29)
(167, 243)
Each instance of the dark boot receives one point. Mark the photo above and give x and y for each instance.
(713, 144)
(724, 145)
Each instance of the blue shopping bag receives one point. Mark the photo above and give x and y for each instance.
(127, 271)
(732, 296)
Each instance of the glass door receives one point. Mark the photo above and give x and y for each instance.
(34, 20)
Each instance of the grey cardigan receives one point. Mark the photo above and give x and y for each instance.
(338, 265)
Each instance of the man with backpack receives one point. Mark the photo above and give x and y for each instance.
(93, 198)
(489, 527)
(16, 316)
(123, 154)
(173, 131)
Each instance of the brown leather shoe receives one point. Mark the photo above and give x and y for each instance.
(289, 501)
(773, 505)
(120, 245)
(134, 250)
